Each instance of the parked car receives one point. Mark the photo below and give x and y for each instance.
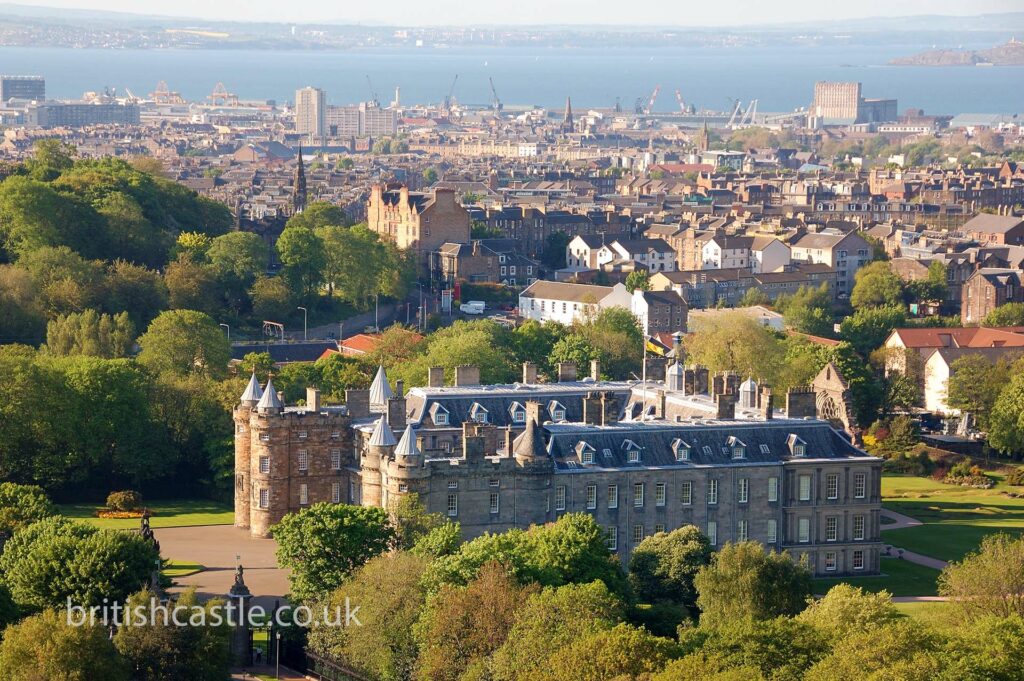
(472, 307)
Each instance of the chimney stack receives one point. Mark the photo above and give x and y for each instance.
(566, 372)
(467, 374)
(358, 403)
(435, 377)
(313, 400)
(595, 369)
(725, 406)
(529, 373)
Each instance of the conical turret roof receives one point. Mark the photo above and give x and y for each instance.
(530, 443)
(382, 435)
(270, 398)
(252, 393)
(380, 391)
(407, 445)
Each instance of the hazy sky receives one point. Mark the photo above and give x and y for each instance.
(654, 12)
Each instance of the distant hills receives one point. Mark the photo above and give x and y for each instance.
(1010, 53)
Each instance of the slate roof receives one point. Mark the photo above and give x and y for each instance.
(283, 353)
(991, 224)
(557, 290)
(498, 400)
(709, 442)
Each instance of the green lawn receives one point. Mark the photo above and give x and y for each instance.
(955, 518)
(174, 513)
(899, 578)
(933, 613)
(180, 568)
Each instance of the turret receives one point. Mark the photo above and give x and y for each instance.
(380, 391)
(379, 448)
(748, 394)
(407, 453)
(253, 393)
(528, 448)
(269, 402)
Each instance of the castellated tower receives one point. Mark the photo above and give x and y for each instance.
(287, 459)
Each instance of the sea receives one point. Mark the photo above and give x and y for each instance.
(781, 78)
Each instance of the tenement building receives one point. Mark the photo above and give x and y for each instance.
(639, 457)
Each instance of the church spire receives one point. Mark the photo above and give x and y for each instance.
(567, 122)
(299, 189)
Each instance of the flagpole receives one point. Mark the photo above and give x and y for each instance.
(643, 378)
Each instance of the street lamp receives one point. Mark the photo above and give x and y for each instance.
(277, 655)
(229, 330)
(419, 322)
(304, 318)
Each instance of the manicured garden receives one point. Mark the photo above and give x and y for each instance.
(171, 513)
(955, 519)
(899, 577)
(932, 613)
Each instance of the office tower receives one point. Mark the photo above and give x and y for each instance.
(310, 111)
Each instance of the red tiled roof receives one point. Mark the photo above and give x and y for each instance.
(957, 337)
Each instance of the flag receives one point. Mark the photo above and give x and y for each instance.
(656, 348)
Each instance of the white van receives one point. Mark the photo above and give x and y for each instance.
(472, 307)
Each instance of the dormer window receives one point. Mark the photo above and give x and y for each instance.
(797, 446)
(439, 415)
(632, 451)
(478, 413)
(585, 452)
(681, 450)
(518, 412)
(556, 410)
(736, 447)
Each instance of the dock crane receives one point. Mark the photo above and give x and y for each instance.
(748, 115)
(735, 113)
(373, 93)
(221, 97)
(650, 102)
(684, 108)
(451, 93)
(495, 101)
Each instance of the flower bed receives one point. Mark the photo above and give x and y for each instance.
(108, 513)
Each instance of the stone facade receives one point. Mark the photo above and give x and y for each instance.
(640, 458)
(417, 221)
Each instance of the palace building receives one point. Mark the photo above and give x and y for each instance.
(640, 457)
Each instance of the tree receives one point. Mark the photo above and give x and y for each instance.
(65, 281)
(390, 596)
(989, 581)
(571, 550)
(663, 566)
(430, 176)
(932, 288)
(743, 580)
(323, 544)
(778, 648)
(412, 521)
(735, 342)
(358, 264)
(846, 610)
(974, 385)
(129, 235)
(638, 279)
(902, 650)
(193, 285)
(612, 336)
(1006, 424)
(50, 158)
(320, 214)
(753, 296)
(240, 254)
(134, 289)
(552, 254)
(185, 342)
(22, 505)
(259, 363)
(809, 310)
(271, 299)
(867, 329)
(89, 333)
(480, 342)
(160, 651)
(623, 652)
(304, 257)
(876, 285)
(1008, 314)
(20, 308)
(463, 625)
(551, 620)
(534, 341)
(55, 560)
(46, 646)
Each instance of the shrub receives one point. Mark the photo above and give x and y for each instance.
(125, 500)
(1016, 477)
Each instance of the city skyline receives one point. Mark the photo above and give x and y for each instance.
(535, 12)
